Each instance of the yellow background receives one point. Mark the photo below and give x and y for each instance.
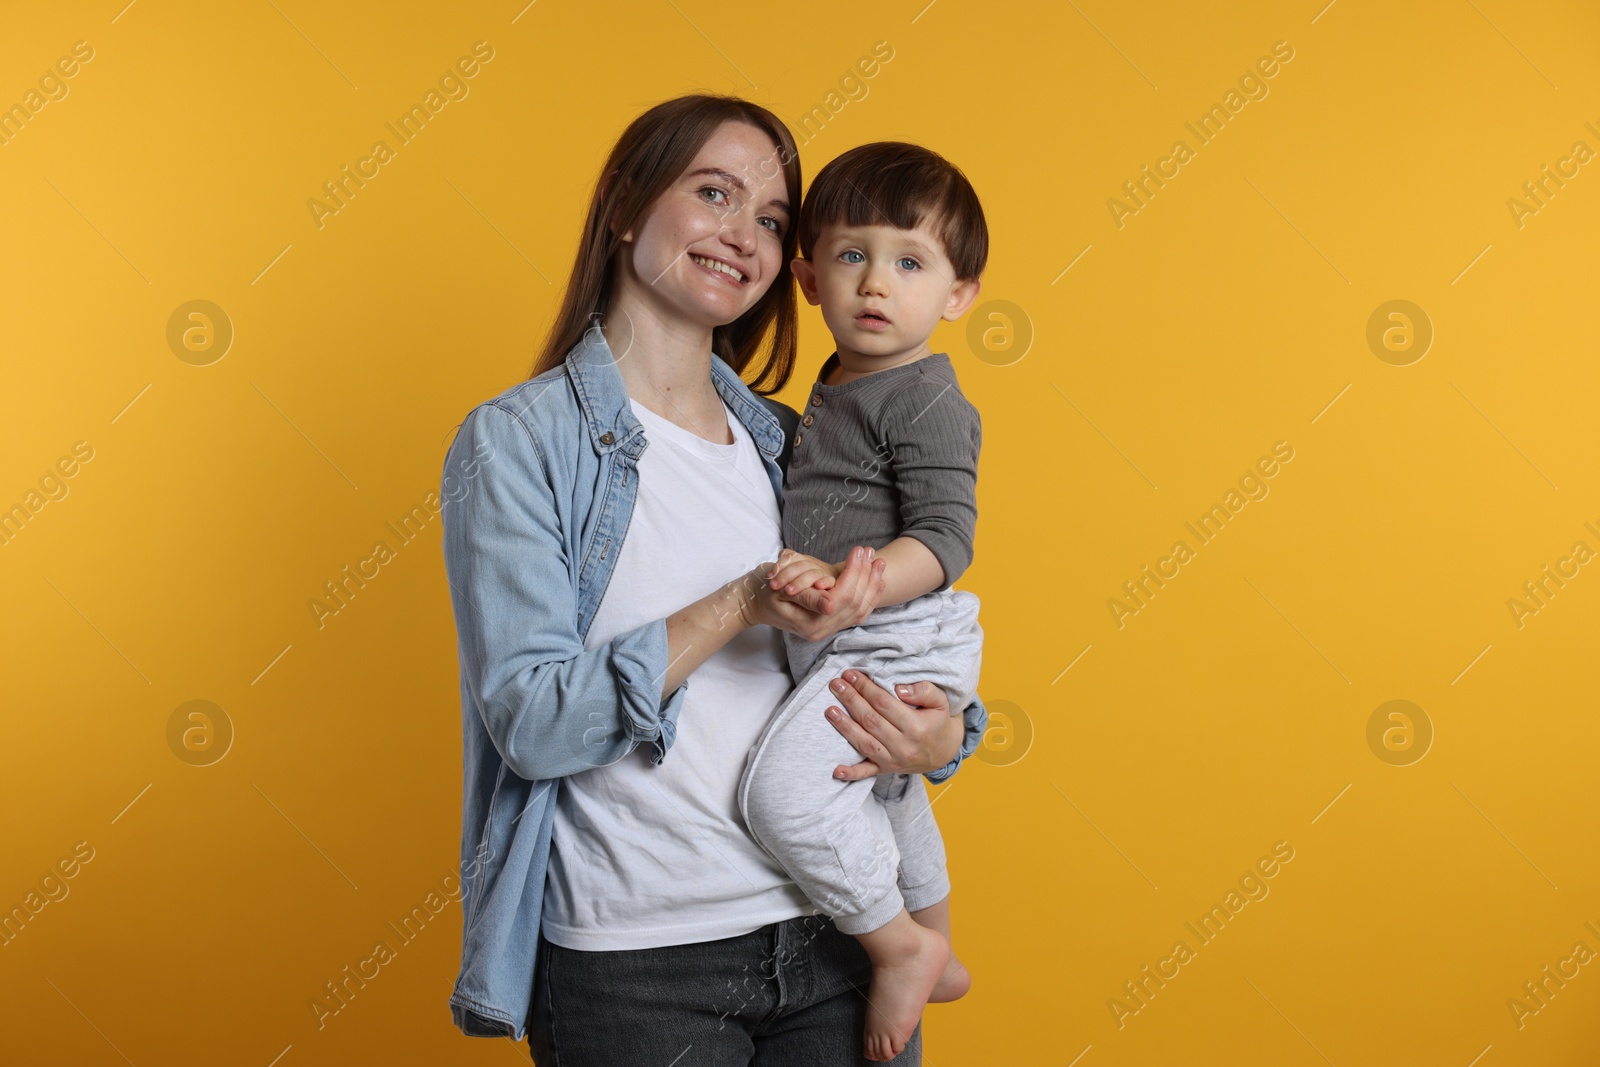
(1118, 799)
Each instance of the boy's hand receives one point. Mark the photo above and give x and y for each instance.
(804, 580)
(850, 601)
(796, 571)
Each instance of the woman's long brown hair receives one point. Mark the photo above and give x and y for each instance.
(652, 153)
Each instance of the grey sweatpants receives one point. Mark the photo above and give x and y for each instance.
(859, 850)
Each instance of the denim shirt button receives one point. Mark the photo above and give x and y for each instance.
(606, 438)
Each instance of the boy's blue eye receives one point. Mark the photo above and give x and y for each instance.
(846, 256)
(907, 259)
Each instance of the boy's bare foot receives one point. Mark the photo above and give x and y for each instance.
(955, 981)
(952, 984)
(900, 989)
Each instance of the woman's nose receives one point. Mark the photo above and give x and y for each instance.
(739, 230)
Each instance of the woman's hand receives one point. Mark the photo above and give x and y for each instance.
(814, 614)
(910, 734)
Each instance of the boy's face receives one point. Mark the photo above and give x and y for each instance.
(883, 290)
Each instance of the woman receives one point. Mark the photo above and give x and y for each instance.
(608, 529)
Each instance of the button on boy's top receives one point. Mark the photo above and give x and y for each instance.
(889, 454)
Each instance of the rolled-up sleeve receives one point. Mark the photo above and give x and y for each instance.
(551, 707)
(975, 718)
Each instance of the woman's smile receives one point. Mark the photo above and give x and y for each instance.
(721, 268)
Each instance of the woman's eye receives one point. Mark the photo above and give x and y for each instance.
(715, 192)
(776, 227)
(904, 260)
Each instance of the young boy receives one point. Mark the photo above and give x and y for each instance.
(892, 242)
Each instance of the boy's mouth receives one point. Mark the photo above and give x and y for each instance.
(872, 319)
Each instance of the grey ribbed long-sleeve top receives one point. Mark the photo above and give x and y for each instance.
(890, 454)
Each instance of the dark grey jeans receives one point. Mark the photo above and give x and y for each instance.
(791, 994)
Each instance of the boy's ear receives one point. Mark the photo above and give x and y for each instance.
(806, 275)
(962, 296)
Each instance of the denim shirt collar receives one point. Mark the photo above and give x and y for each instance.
(612, 425)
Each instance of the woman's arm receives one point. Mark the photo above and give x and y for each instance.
(700, 629)
(551, 707)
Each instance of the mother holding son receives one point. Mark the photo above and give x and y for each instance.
(671, 853)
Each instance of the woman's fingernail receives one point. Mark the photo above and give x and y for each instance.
(903, 690)
(838, 686)
(832, 713)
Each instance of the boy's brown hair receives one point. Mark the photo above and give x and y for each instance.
(898, 184)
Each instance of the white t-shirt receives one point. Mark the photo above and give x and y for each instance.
(648, 854)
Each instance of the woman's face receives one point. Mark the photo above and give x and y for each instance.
(711, 245)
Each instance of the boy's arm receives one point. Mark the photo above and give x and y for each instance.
(912, 570)
(935, 435)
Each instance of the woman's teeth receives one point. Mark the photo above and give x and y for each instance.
(712, 264)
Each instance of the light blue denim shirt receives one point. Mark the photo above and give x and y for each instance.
(539, 486)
